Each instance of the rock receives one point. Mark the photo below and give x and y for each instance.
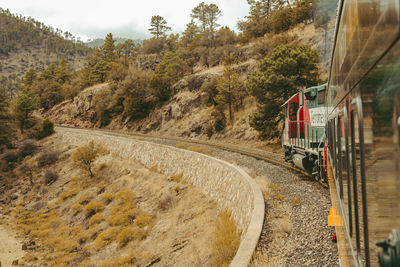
(24, 246)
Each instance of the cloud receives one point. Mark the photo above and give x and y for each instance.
(96, 18)
(129, 30)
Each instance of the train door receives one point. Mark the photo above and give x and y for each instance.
(293, 107)
(301, 116)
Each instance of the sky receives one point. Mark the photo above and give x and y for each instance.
(90, 19)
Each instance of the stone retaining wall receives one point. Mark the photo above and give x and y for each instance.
(228, 185)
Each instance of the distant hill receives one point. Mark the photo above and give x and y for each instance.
(26, 43)
(118, 40)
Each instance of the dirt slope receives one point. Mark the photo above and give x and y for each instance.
(10, 247)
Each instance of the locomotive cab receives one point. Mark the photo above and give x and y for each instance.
(303, 133)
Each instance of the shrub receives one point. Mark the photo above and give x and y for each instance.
(219, 119)
(125, 236)
(47, 158)
(104, 238)
(296, 201)
(96, 219)
(27, 148)
(125, 197)
(122, 217)
(76, 208)
(226, 240)
(68, 194)
(85, 198)
(209, 131)
(143, 220)
(282, 20)
(280, 197)
(165, 203)
(107, 198)
(47, 129)
(50, 177)
(10, 157)
(85, 156)
(139, 233)
(154, 45)
(92, 208)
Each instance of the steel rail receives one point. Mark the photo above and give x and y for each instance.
(270, 157)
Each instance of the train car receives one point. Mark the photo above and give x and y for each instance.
(304, 130)
(362, 132)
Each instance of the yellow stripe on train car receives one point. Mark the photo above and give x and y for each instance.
(334, 219)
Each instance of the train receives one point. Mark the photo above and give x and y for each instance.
(346, 133)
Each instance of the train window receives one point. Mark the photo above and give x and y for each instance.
(354, 174)
(293, 109)
(301, 99)
(346, 170)
(321, 97)
(363, 178)
(339, 155)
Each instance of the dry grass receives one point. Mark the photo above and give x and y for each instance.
(296, 202)
(85, 198)
(143, 220)
(76, 208)
(107, 198)
(119, 261)
(181, 145)
(227, 239)
(68, 194)
(177, 178)
(96, 219)
(198, 149)
(280, 197)
(125, 197)
(92, 208)
(274, 187)
(154, 168)
(105, 238)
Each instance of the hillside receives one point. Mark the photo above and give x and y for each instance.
(124, 214)
(189, 112)
(26, 43)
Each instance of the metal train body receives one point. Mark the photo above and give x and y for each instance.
(304, 130)
(360, 158)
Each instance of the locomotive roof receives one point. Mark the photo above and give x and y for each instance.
(319, 88)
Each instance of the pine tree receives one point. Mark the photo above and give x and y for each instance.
(23, 105)
(61, 73)
(200, 13)
(30, 77)
(158, 26)
(207, 15)
(191, 32)
(5, 120)
(229, 88)
(279, 77)
(108, 48)
(213, 14)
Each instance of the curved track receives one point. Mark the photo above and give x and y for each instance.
(271, 157)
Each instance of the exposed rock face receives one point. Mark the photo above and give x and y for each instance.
(186, 114)
(146, 62)
(80, 111)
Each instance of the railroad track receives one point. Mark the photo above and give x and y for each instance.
(271, 157)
